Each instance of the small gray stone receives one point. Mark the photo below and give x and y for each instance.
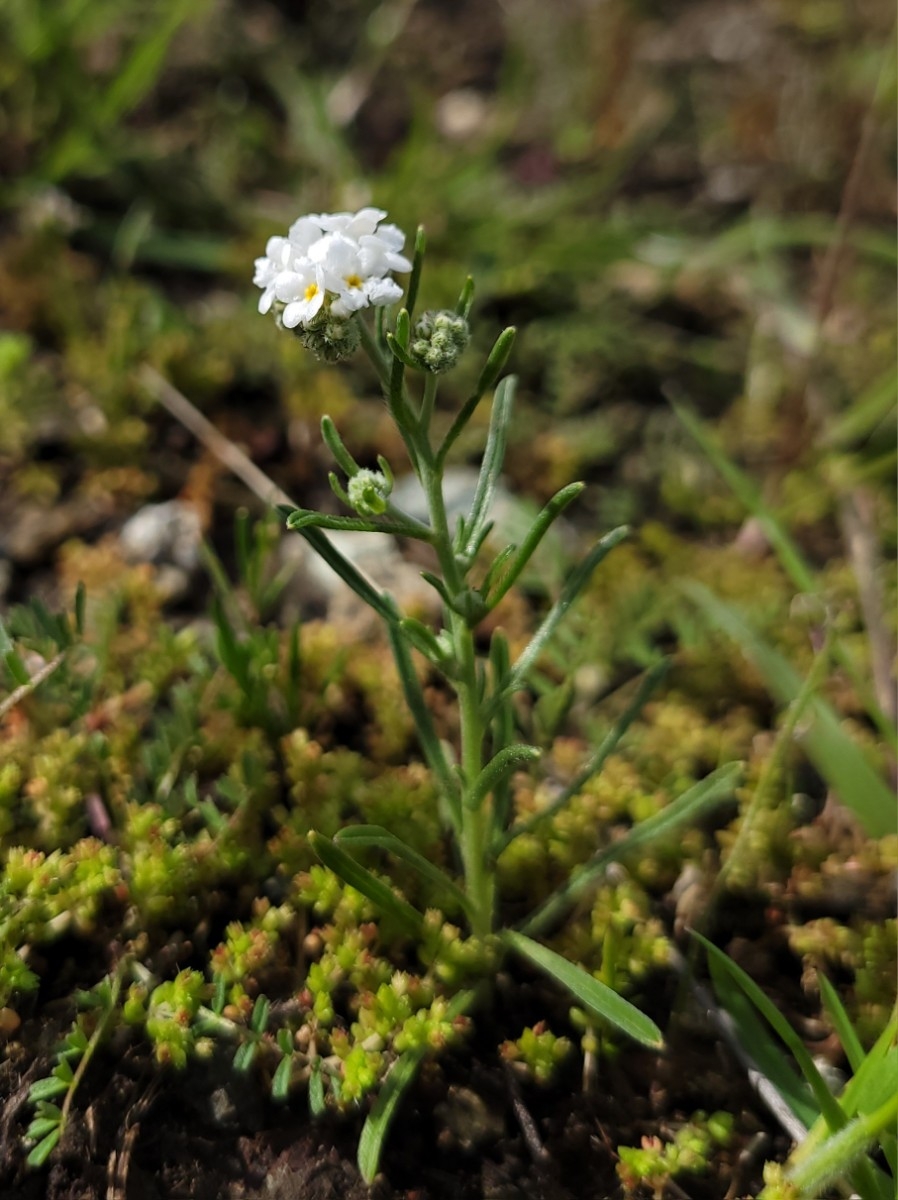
(164, 533)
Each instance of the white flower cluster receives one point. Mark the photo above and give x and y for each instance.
(341, 260)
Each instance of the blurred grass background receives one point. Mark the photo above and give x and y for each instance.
(652, 190)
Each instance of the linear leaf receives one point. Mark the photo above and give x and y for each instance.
(375, 835)
(44, 1148)
(841, 1022)
(596, 760)
(357, 876)
(836, 756)
(535, 535)
(695, 802)
(350, 574)
(574, 584)
(596, 996)
(826, 1102)
(45, 1089)
(759, 1044)
(493, 458)
(403, 1071)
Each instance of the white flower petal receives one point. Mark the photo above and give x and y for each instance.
(382, 291)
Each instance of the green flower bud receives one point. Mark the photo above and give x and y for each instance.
(330, 338)
(368, 492)
(438, 340)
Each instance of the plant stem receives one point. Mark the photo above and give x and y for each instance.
(476, 828)
(475, 833)
(476, 823)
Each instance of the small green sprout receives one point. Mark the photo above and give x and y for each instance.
(654, 1163)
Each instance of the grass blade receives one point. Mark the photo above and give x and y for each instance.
(357, 876)
(593, 994)
(695, 802)
(841, 1022)
(839, 760)
(377, 1125)
(827, 1105)
(375, 835)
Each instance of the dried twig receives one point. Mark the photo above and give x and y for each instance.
(26, 689)
(223, 448)
(537, 1149)
(214, 441)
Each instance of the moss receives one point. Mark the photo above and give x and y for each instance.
(869, 952)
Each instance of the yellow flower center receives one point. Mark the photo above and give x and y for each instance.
(311, 291)
(353, 281)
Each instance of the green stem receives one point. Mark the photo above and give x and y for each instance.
(476, 826)
(430, 394)
(476, 822)
(372, 348)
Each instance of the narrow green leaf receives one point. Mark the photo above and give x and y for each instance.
(498, 769)
(765, 1051)
(836, 756)
(337, 447)
(377, 1126)
(841, 1022)
(80, 599)
(220, 996)
(357, 876)
(492, 370)
(877, 1076)
(427, 735)
(40, 1127)
(302, 519)
(316, 1089)
(45, 1089)
(403, 1071)
(574, 585)
(401, 354)
(748, 492)
(280, 1082)
(425, 642)
(63, 1069)
(245, 1056)
(835, 1157)
(14, 664)
(503, 727)
(44, 1149)
(491, 466)
(347, 572)
(596, 996)
(411, 296)
(694, 803)
(596, 760)
(261, 1012)
(466, 299)
(439, 587)
(508, 576)
(403, 328)
(826, 1102)
(871, 409)
(358, 836)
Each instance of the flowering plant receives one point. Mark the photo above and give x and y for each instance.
(318, 280)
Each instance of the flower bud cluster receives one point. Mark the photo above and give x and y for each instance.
(438, 340)
(330, 265)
